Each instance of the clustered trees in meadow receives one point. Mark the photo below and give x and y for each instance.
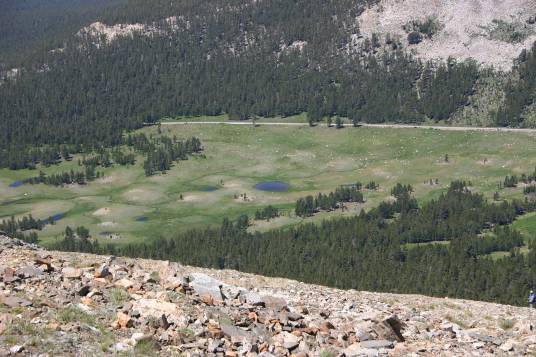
(326, 202)
(267, 213)
(16, 227)
(160, 152)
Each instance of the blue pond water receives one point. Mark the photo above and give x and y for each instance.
(208, 188)
(16, 184)
(55, 218)
(272, 186)
(142, 219)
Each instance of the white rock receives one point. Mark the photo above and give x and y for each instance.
(16, 349)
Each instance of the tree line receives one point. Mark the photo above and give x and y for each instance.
(16, 227)
(66, 177)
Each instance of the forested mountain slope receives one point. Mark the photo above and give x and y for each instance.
(145, 60)
(30, 27)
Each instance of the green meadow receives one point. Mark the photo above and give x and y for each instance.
(236, 157)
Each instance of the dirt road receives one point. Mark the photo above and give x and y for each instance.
(391, 126)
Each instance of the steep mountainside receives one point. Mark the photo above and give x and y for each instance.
(54, 303)
(31, 27)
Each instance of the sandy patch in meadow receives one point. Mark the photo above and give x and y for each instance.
(106, 180)
(102, 211)
(343, 164)
(142, 194)
(191, 198)
(107, 224)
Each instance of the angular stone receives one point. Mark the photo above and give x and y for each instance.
(213, 345)
(252, 298)
(507, 346)
(256, 299)
(325, 326)
(44, 261)
(29, 272)
(121, 347)
(16, 349)
(231, 332)
(205, 285)
(71, 273)
(102, 271)
(122, 321)
(290, 341)
(353, 350)
(124, 283)
(156, 308)
(231, 292)
(14, 301)
(138, 337)
(485, 338)
(9, 275)
(377, 344)
(173, 283)
(390, 329)
(274, 302)
(292, 316)
(84, 290)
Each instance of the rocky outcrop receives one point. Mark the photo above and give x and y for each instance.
(57, 303)
(465, 30)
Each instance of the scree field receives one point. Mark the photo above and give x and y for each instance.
(126, 205)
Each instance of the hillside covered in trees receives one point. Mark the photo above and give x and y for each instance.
(246, 59)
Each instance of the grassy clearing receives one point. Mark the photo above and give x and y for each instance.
(527, 225)
(311, 160)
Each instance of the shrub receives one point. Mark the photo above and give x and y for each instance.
(414, 38)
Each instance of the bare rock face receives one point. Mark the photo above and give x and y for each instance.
(463, 29)
(87, 305)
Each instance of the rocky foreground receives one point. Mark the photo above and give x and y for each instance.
(70, 304)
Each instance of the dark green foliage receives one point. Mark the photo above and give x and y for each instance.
(529, 189)
(372, 185)
(163, 151)
(519, 91)
(308, 206)
(267, 213)
(452, 215)
(446, 88)
(78, 240)
(414, 37)
(12, 225)
(510, 181)
(65, 178)
(15, 228)
(400, 190)
(338, 123)
(416, 29)
(31, 27)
